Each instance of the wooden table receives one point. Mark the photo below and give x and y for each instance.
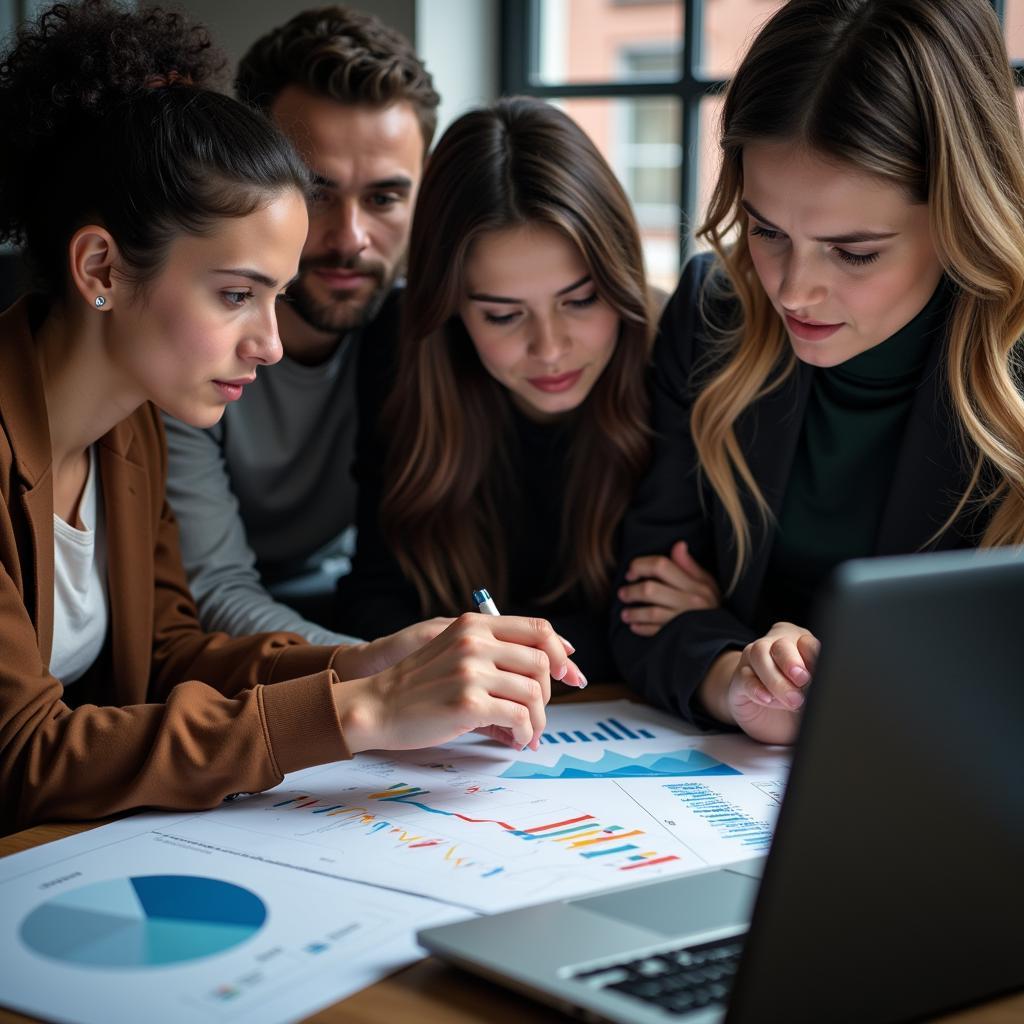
(429, 992)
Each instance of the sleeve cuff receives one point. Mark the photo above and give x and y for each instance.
(302, 723)
(298, 660)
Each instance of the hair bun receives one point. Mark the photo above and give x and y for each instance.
(84, 57)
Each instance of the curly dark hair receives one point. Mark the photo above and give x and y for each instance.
(347, 55)
(110, 115)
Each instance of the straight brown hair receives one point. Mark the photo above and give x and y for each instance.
(518, 162)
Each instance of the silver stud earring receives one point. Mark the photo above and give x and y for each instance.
(100, 301)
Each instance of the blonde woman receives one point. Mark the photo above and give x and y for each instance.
(844, 368)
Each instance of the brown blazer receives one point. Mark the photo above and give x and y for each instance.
(149, 737)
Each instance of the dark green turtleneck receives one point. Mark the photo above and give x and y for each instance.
(844, 462)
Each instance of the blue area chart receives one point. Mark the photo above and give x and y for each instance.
(612, 765)
(145, 921)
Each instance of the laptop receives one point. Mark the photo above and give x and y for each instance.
(894, 888)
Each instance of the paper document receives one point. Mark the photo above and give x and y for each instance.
(273, 905)
(484, 828)
(123, 924)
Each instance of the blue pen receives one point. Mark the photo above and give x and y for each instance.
(485, 603)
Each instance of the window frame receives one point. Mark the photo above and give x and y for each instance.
(520, 53)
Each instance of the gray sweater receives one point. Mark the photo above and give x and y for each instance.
(266, 496)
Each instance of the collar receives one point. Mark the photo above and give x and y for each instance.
(23, 399)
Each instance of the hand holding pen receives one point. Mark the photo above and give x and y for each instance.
(486, 606)
(485, 672)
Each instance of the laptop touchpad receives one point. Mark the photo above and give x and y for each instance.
(696, 903)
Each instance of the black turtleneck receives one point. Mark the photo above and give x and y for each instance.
(843, 467)
(377, 598)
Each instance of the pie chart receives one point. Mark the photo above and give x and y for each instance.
(144, 921)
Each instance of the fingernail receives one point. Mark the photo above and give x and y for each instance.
(583, 680)
(565, 643)
(562, 671)
(799, 675)
(794, 700)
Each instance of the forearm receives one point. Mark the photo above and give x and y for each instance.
(243, 607)
(187, 753)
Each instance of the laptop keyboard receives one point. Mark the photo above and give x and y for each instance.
(676, 980)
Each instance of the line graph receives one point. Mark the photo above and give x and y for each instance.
(580, 834)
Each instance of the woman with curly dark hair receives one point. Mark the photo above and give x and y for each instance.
(162, 221)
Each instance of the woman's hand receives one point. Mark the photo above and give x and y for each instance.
(368, 659)
(762, 688)
(482, 671)
(661, 588)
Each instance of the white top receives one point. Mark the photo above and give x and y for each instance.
(80, 601)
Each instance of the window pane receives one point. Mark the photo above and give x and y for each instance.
(729, 29)
(608, 41)
(640, 140)
(709, 159)
(1013, 28)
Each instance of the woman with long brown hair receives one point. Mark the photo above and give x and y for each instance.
(516, 425)
(845, 366)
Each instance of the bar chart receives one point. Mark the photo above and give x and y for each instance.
(729, 821)
(611, 730)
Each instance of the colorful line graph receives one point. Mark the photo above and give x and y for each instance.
(581, 834)
(729, 821)
(609, 730)
(612, 765)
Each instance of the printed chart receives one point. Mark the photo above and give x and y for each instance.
(144, 921)
(441, 832)
(485, 828)
(612, 740)
(720, 820)
(123, 924)
(613, 765)
(609, 731)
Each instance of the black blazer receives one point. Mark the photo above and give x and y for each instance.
(675, 503)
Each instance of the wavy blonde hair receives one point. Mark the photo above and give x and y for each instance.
(920, 93)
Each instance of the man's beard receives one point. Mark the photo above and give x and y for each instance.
(339, 314)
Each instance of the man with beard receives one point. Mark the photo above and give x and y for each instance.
(265, 499)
